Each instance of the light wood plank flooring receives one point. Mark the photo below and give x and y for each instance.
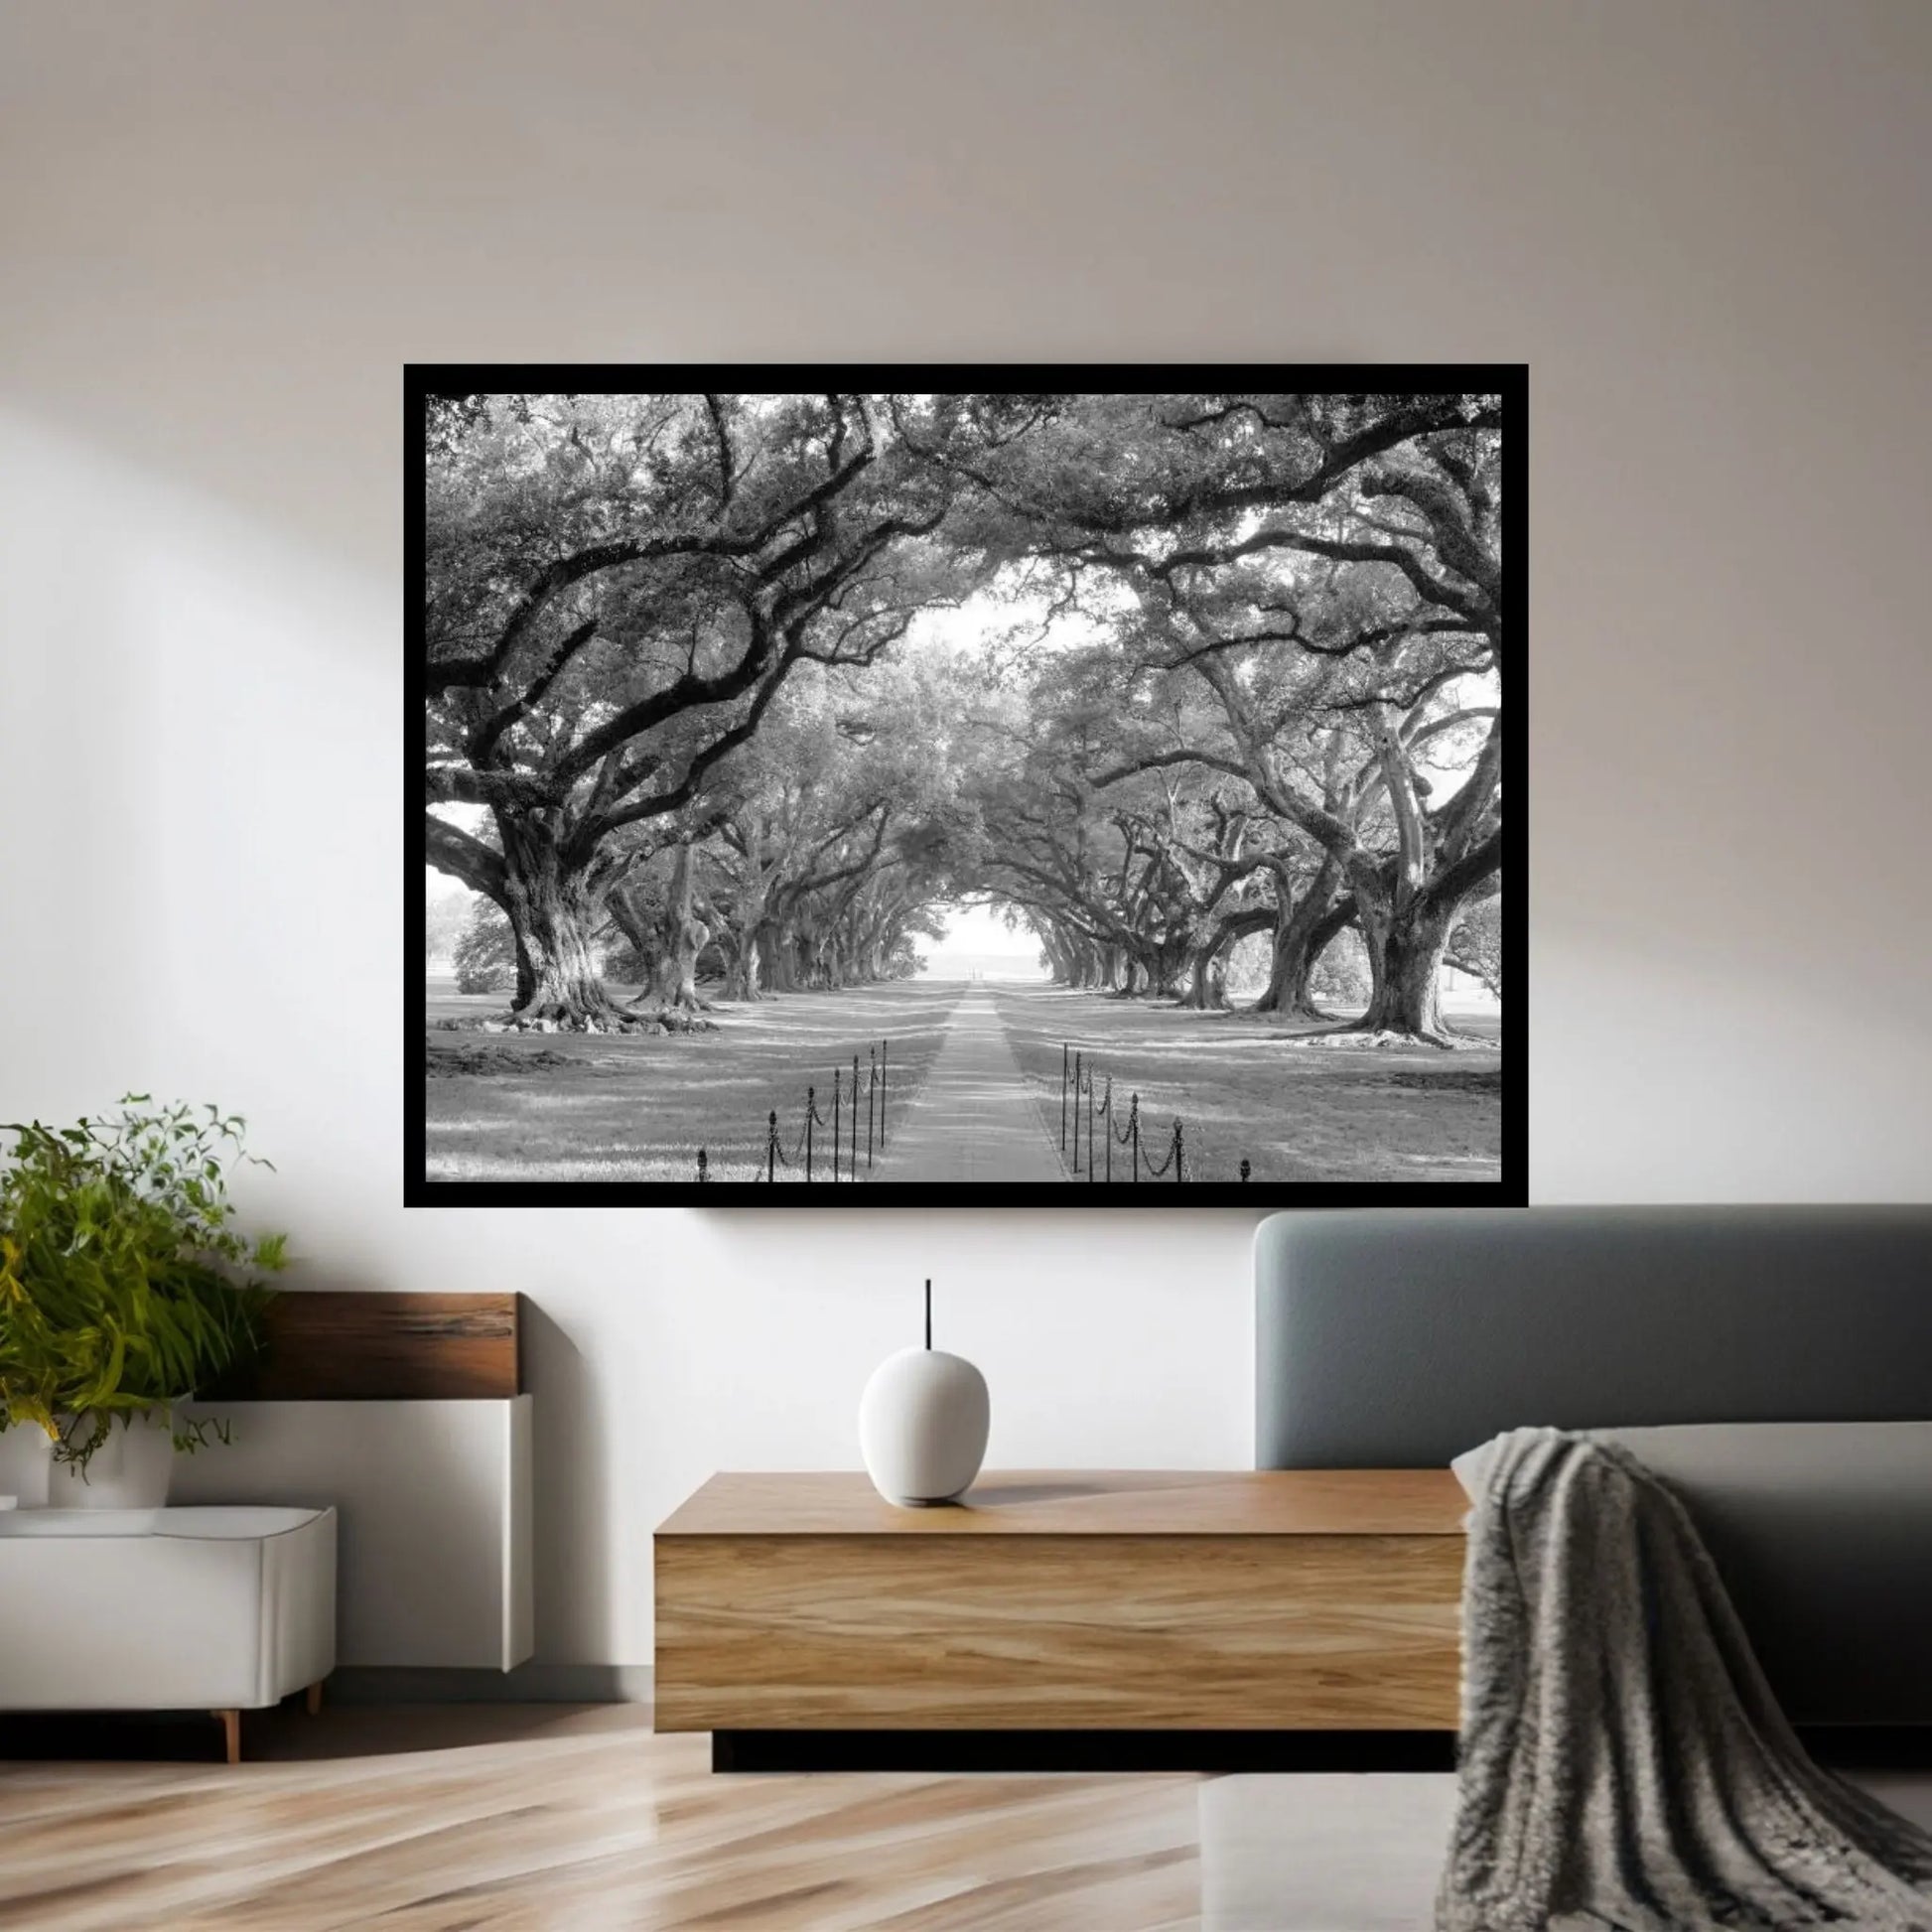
(550, 1817)
(580, 1820)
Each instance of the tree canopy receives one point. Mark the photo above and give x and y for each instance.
(747, 684)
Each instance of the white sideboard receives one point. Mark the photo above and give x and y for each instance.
(165, 1609)
(435, 1507)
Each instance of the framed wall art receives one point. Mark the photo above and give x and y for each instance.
(1014, 786)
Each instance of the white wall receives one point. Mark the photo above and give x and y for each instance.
(1703, 227)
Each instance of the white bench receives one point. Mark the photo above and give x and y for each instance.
(220, 1610)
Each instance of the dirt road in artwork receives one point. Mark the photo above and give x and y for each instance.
(975, 1118)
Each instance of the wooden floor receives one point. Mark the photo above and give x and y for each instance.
(576, 1818)
(579, 1820)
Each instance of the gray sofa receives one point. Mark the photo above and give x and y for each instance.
(1774, 1363)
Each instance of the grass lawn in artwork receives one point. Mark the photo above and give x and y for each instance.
(638, 1108)
(1248, 1088)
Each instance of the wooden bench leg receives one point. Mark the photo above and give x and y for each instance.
(231, 1733)
(312, 1696)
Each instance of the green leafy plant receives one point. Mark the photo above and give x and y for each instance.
(124, 1284)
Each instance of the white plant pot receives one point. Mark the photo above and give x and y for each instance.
(923, 1425)
(26, 1456)
(132, 1468)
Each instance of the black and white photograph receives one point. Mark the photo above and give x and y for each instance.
(1038, 791)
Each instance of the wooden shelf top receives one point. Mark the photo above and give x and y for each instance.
(371, 1344)
(1087, 1502)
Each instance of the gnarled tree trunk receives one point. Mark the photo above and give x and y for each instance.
(1405, 933)
(1167, 970)
(1304, 928)
(781, 962)
(553, 910)
(1209, 991)
(681, 936)
(1408, 907)
(1208, 975)
(745, 979)
(1405, 951)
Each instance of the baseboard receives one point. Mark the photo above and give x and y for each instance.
(1220, 1751)
(1848, 1746)
(1870, 1747)
(534, 1683)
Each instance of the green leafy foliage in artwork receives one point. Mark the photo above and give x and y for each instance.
(125, 1286)
(484, 956)
(1341, 974)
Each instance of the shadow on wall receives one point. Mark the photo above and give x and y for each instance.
(572, 1485)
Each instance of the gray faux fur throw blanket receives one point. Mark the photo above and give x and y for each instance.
(1624, 1763)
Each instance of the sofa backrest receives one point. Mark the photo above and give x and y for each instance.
(1398, 1339)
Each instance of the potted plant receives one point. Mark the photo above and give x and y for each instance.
(125, 1289)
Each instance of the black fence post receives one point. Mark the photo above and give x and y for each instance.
(1245, 1171)
(852, 1135)
(882, 1092)
(772, 1146)
(1134, 1129)
(872, 1089)
(1076, 1114)
(1107, 1121)
(811, 1114)
(704, 1167)
(837, 1074)
(1180, 1172)
(1090, 1160)
(1062, 1096)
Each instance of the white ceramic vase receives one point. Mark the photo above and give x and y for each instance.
(133, 1468)
(25, 1457)
(923, 1425)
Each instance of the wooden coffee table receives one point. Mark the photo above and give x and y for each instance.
(1064, 1618)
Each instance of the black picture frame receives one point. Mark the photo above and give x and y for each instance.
(426, 381)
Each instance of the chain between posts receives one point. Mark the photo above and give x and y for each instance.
(1088, 1099)
(1089, 1110)
(843, 1120)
